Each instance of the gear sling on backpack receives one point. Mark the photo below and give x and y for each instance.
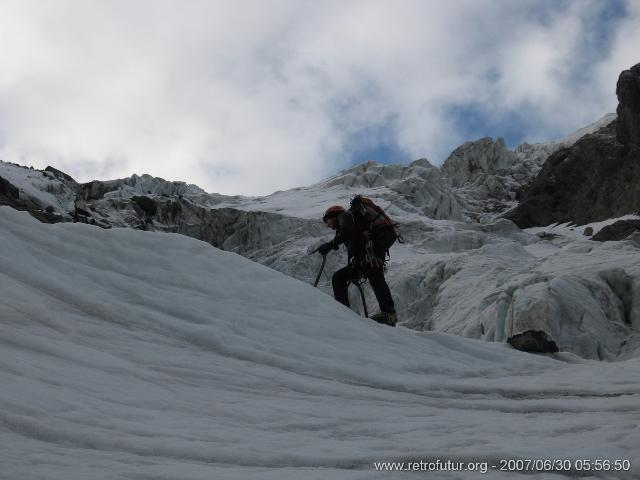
(377, 228)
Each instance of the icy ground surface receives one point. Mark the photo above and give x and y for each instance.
(139, 355)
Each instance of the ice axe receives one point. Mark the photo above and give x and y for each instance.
(357, 282)
(324, 260)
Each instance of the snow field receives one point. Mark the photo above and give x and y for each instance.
(128, 354)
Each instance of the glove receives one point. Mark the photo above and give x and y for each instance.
(325, 247)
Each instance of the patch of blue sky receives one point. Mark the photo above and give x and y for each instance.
(381, 152)
(545, 11)
(375, 143)
(598, 33)
(474, 121)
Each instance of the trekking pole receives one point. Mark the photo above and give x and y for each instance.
(364, 303)
(324, 260)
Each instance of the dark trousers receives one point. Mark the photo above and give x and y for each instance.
(375, 275)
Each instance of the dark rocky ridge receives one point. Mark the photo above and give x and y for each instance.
(596, 178)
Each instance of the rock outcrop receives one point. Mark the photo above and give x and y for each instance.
(628, 92)
(533, 341)
(617, 231)
(596, 178)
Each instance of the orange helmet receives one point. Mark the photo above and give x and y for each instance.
(332, 211)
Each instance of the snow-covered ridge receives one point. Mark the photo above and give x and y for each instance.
(129, 354)
(138, 185)
(38, 189)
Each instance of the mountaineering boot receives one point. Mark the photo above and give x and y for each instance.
(386, 318)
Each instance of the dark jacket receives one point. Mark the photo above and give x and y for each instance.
(352, 234)
(349, 234)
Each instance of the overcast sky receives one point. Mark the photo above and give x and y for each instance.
(249, 97)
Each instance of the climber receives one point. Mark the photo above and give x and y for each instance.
(367, 232)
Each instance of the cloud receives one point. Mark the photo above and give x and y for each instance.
(249, 97)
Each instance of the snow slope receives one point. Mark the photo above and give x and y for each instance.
(129, 354)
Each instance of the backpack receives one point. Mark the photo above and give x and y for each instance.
(371, 218)
(368, 215)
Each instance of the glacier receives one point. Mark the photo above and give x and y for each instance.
(464, 268)
(145, 355)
